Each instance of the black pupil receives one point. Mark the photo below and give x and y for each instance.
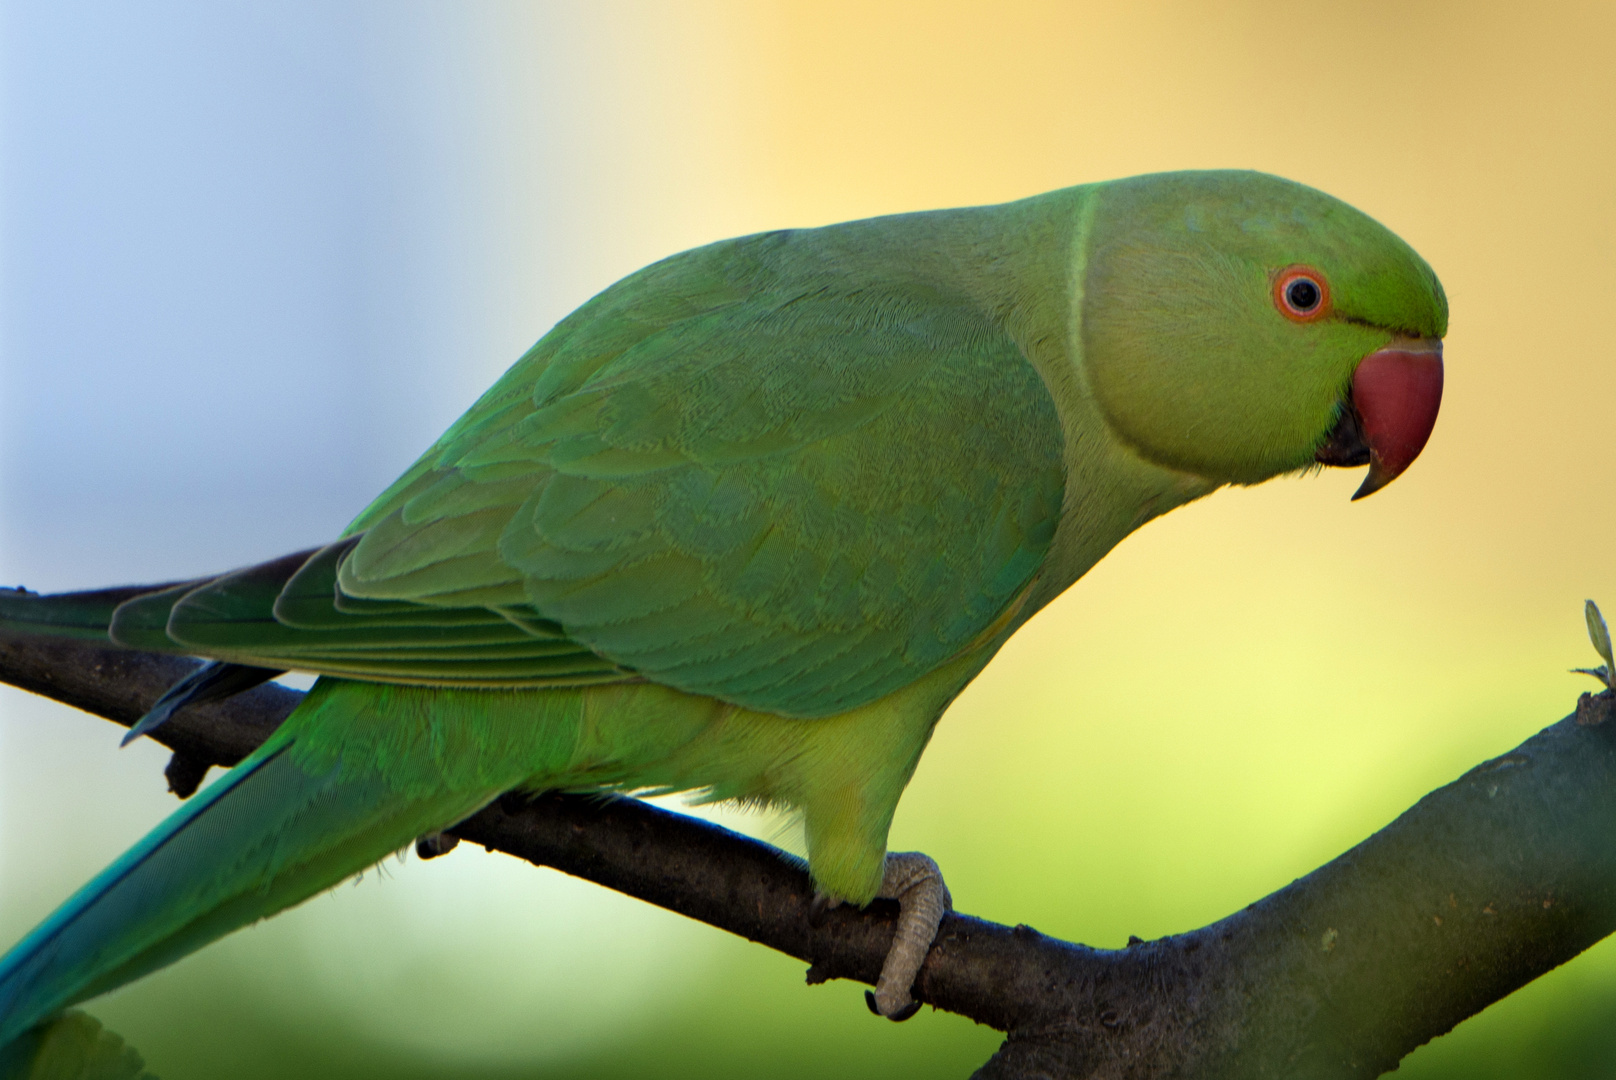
(1302, 294)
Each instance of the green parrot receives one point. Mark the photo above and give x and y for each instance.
(744, 524)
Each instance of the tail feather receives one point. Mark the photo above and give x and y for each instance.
(213, 680)
(266, 836)
(82, 615)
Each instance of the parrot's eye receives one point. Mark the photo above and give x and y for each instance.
(1301, 294)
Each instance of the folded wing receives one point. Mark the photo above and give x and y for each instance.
(748, 471)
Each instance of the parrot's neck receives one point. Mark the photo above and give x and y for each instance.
(1026, 262)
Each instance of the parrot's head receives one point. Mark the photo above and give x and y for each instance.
(1238, 326)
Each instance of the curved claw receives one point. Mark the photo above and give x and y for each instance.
(434, 845)
(898, 1017)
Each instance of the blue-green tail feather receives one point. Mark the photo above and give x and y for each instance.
(267, 835)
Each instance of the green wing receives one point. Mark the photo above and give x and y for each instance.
(789, 481)
(745, 472)
(289, 614)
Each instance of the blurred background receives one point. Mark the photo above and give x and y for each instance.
(254, 257)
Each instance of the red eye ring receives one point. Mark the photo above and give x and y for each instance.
(1301, 294)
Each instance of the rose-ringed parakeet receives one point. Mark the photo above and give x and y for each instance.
(744, 524)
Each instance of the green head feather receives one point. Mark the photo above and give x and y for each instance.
(1191, 359)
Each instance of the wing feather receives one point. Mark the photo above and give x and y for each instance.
(749, 475)
(753, 471)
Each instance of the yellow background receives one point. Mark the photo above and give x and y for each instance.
(1237, 694)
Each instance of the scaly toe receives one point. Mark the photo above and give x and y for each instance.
(915, 882)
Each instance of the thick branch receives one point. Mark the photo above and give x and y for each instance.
(1479, 888)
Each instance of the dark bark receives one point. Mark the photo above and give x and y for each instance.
(1482, 886)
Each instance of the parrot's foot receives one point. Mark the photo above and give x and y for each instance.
(432, 845)
(915, 882)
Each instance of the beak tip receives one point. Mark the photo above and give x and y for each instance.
(1377, 478)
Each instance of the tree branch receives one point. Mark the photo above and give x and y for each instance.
(1479, 888)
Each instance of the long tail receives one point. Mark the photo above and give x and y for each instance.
(267, 835)
(356, 772)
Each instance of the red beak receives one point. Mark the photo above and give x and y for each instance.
(1397, 392)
